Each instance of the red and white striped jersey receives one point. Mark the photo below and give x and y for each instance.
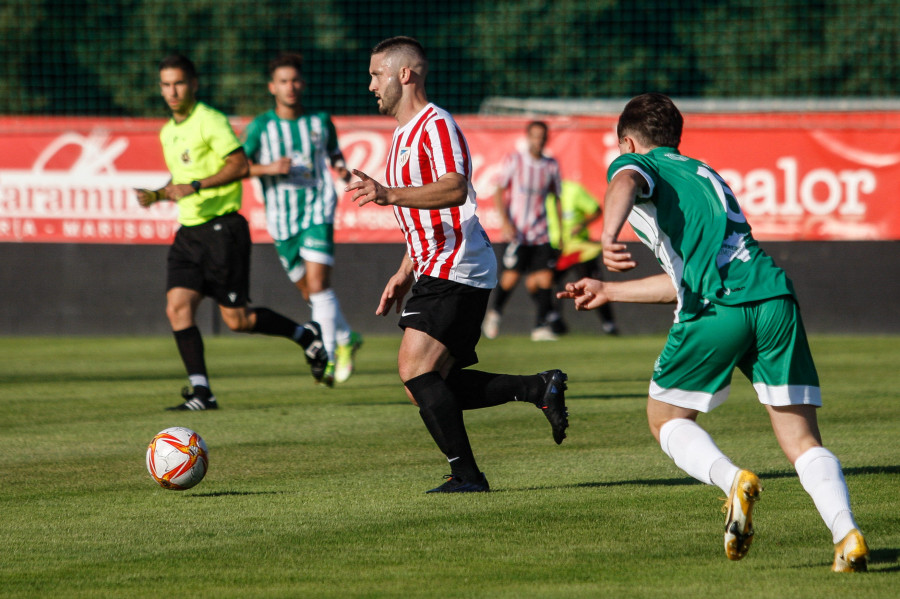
(526, 182)
(449, 243)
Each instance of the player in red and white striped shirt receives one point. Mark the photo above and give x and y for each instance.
(526, 179)
(449, 267)
(449, 243)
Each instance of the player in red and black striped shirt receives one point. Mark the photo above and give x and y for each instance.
(449, 268)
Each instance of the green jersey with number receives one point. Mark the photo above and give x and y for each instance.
(695, 227)
(195, 149)
(305, 196)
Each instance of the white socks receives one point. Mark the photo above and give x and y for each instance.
(821, 477)
(198, 380)
(327, 312)
(694, 451)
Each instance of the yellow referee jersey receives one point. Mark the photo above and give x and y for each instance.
(195, 149)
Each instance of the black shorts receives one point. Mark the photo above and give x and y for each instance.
(529, 258)
(449, 312)
(588, 269)
(213, 259)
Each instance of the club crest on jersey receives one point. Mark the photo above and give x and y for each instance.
(403, 158)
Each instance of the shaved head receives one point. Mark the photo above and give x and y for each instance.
(404, 51)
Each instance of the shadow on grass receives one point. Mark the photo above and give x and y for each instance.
(287, 406)
(686, 480)
(858, 470)
(885, 556)
(82, 377)
(876, 556)
(570, 395)
(365, 404)
(235, 493)
(651, 482)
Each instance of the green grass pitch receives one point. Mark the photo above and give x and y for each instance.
(315, 492)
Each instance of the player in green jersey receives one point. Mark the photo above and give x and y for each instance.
(289, 151)
(734, 307)
(210, 255)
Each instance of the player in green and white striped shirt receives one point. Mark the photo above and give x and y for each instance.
(290, 151)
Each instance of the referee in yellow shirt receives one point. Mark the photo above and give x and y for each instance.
(568, 220)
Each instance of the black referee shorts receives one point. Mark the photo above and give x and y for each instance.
(529, 258)
(449, 312)
(213, 259)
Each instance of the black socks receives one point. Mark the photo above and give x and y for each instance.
(543, 299)
(501, 296)
(190, 346)
(444, 420)
(269, 322)
(475, 389)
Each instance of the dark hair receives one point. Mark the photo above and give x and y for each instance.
(400, 41)
(540, 124)
(179, 61)
(653, 119)
(286, 59)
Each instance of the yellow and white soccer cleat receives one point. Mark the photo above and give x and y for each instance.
(738, 522)
(344, 356)
(851, 554)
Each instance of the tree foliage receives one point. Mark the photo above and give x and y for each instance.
(91, 57)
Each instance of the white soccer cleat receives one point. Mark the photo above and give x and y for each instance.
(491, 325)
(543, 334)
(738, 521)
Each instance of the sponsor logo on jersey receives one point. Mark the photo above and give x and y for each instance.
(733, 248)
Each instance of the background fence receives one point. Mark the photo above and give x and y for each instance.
(73, 58)
(70, 57)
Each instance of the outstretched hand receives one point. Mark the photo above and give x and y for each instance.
(367, 190)
(588, 294)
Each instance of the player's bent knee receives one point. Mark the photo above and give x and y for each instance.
(237, 322)
(180, 316)
(410, 396)
(237, 327)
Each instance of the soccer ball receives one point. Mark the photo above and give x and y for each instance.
(177, 458)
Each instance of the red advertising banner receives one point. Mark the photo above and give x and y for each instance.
(798, 176)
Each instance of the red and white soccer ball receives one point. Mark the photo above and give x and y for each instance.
(177, 458)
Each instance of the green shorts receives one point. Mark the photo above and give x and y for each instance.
(315, 244)
(765, 339)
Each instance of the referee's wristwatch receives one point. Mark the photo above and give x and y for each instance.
(196, 185)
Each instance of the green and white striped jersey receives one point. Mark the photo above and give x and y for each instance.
(306, 196)
(693, 223)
